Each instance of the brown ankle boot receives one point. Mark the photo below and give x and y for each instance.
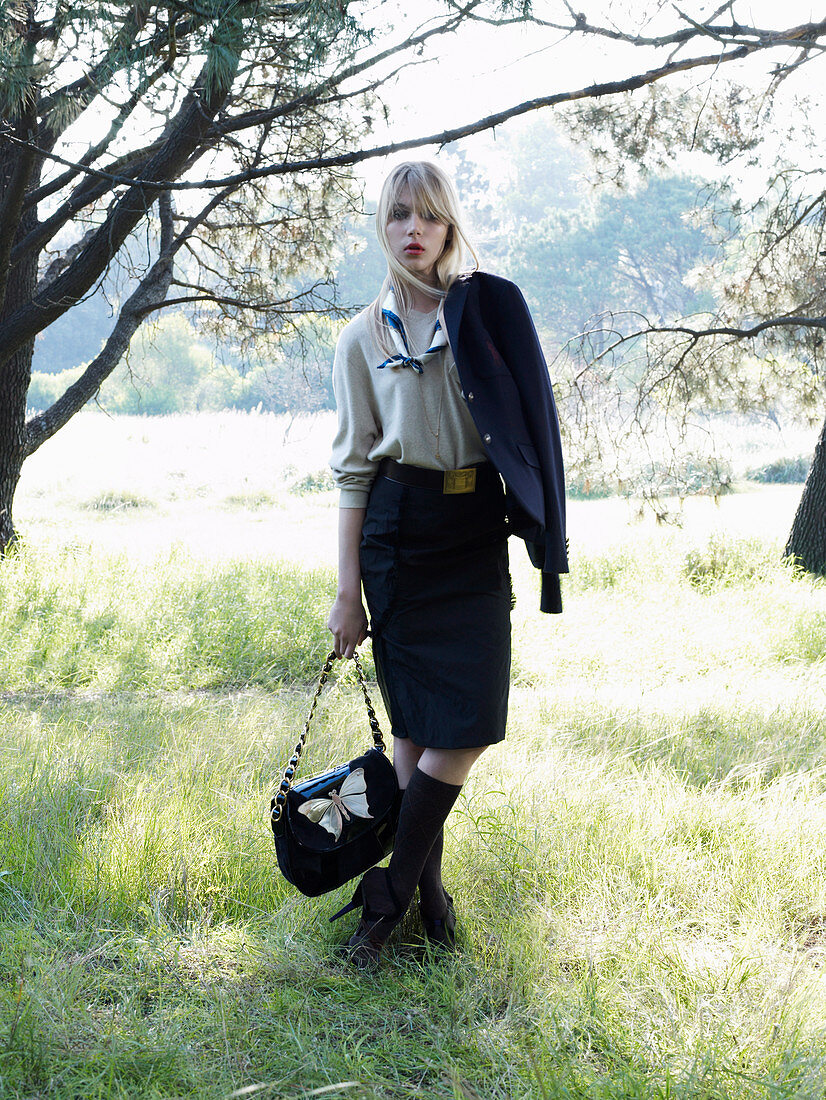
(381, 911)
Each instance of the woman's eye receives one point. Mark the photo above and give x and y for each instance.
(399, 213)
(430, 216)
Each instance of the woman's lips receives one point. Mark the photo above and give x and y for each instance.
(414, 249)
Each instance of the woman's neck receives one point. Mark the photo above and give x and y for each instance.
(422, 302)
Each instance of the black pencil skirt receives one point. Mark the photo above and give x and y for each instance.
(435, 574)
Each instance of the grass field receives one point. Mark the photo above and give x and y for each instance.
(640, 871)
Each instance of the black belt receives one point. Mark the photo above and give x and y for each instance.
(464, 480)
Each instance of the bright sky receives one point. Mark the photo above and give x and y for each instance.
(483, 69)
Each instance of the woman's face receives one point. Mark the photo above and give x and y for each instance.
(417, 241)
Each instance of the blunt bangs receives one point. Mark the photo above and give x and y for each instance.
(431, 192)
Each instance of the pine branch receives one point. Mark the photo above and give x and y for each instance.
(149, 294)
(185, 136)
(97, 150)
(441, 138)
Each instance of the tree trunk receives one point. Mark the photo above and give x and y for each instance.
(807, 540)
(16, 374)
(14, 385)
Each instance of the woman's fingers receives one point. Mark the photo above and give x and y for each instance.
(348, 625)
(346, 647)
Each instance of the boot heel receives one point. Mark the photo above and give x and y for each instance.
(355, 903)
(441, 931)
(373, 894)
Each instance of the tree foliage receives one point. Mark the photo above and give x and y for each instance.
(108, 113)
(171, 368)
(623, 254)
(756, 343)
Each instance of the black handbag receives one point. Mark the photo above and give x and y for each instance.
(332, 827)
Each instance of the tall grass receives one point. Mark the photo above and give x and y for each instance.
(639, 869)
(73, 619)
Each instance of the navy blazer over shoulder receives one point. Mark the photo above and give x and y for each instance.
(508, 392)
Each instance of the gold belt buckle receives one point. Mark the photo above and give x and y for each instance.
(460, 481)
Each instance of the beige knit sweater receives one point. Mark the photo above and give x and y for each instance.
(418, 419)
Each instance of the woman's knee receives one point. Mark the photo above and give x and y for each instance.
(406, 757)
(450, 765)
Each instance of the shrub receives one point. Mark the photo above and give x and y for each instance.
(44, 389)
(320, 481)
(785, 471)
(252, 502)
(587, 487)
(805, 638)
(724, 561)
(118, 502)
(609, 570)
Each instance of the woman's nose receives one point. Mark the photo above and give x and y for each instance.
(414, 223)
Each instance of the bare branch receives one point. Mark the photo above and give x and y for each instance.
(444, 137)
(185, 136)
(731, 34)
(743, 332)
(150, 294)
(279, 308)
(91, 190)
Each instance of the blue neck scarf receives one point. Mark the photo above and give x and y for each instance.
(403, 356)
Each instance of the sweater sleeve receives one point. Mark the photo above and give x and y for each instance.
(358, 423)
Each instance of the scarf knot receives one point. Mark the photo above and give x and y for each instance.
(403, 356)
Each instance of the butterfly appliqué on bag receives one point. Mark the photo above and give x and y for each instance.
(332, 812)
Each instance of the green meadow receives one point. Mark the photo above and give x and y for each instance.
(640, 870)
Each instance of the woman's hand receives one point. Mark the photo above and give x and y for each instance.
(348, 625)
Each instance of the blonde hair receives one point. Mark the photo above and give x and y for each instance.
(431, 192)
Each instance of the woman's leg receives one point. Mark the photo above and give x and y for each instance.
(450, 765)
(385, 894)
(433, 899)
(447, 765)
(406, 756)
(432, 788)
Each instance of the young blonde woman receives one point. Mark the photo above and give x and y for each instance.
(447, 443)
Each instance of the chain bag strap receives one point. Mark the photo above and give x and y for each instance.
(280, 800)
(332, 827)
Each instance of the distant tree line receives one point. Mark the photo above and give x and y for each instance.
(173, 368)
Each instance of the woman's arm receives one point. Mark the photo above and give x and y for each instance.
(348, 620)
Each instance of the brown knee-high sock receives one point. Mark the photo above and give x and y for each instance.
(425, 806)
(431, 889)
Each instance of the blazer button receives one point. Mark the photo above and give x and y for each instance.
(486, 438)
(470, 397)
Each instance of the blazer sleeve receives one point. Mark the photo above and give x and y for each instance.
(492, 335)
(516, 337)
